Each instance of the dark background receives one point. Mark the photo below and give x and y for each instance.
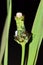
(28, 8)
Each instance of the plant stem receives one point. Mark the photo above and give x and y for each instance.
(37, 31)
(23, 54)
(9, 19)
(5, 35)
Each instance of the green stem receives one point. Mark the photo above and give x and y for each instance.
(6, 55)
(8, 5)
(37, 31)
(6, 50)
(23, 54)
(37, 51)
(5, 34)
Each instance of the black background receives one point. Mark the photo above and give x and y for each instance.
(28, 8)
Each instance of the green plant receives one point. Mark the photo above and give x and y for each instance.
(22, 36)
(5, 35)
(37, 31)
